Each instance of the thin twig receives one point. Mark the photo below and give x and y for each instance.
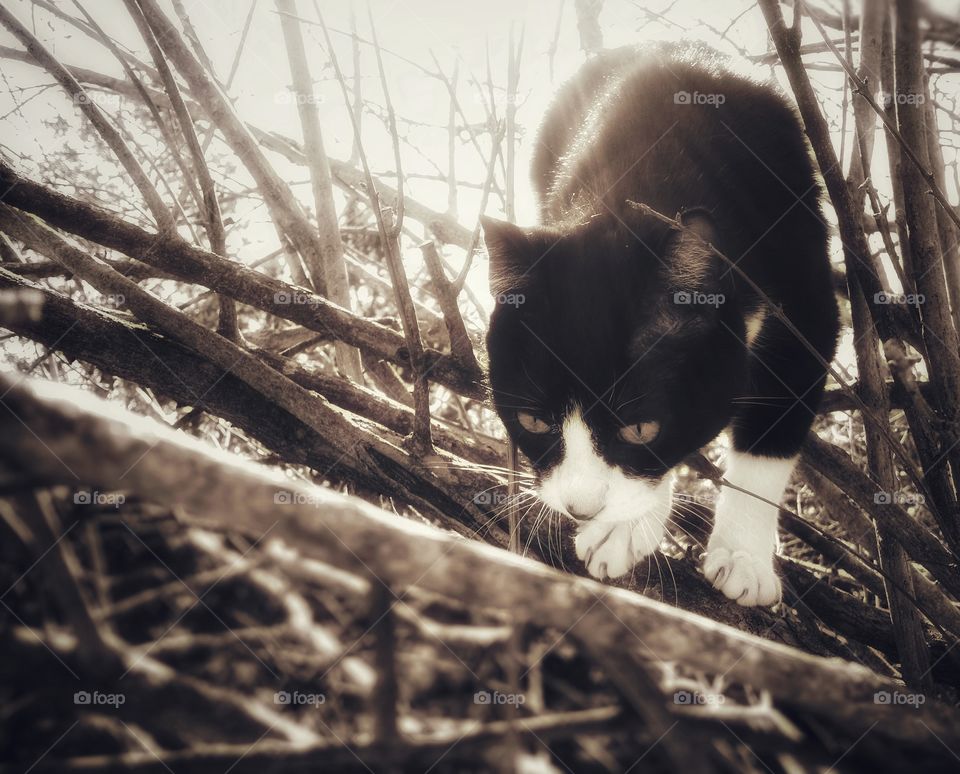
(460, 346)
(81, 98)
(330, 271)
(861, 88)
(228, 326)
(496, 144)
(390, 239)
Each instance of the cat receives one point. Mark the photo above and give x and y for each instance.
(621, 344)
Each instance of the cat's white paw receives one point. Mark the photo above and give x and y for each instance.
(742, 576)
(608, 549)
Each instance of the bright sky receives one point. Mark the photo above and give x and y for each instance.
(455, 32)
(452, 31)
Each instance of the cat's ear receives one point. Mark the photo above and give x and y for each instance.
(508, 247)
(691, 252)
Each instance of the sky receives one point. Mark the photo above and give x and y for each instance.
(416, 31)
(450, 31)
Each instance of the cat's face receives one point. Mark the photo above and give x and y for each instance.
(610, 361)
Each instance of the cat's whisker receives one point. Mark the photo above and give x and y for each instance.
(499, 512)
(689, 512)
(534, 531)
(692, 539)
(482, 529)
(554, 553)
(543, 518)
(529, 504)
(532, 381)
(554, 541)
(666, 559)
(520, 475)
(646, 582)
(647, 530)
(524, 479)
(626, 403)
(508, 499)
(557, 520)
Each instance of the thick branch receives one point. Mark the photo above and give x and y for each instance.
(193, 264)
(919, 543)
(402, 553)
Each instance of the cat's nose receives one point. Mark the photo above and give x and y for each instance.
(584, 499)
(580, 513)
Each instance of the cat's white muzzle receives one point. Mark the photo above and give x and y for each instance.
(621, 518)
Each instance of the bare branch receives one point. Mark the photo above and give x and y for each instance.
(90, 109)
(331, 271)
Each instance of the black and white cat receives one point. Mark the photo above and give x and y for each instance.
(621, 345)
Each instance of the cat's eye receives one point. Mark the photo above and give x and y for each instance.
(640, 433)
(531, 423)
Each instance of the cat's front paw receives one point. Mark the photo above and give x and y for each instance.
(607, 549)
(742, 576)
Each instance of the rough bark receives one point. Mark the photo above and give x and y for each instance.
(332, 271)
(227, 490)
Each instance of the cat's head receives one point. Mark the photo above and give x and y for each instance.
(614, 353)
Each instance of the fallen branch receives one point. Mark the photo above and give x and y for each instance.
(417, 753)
(354, 535)
(357, 449)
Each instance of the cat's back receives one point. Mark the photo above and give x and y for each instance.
(674, 126)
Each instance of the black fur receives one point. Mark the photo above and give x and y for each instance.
(588, 311)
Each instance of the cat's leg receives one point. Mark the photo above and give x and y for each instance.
(740, 554)
(773, 418)
(610, 549)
